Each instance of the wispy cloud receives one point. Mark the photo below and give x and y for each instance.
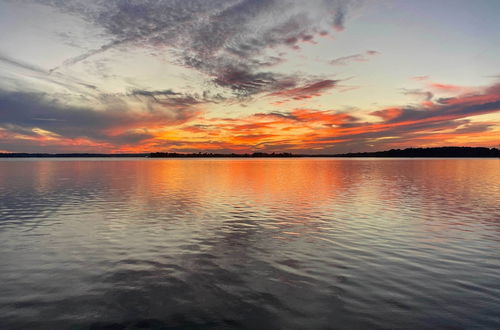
(306, 91)
(223, 39)
(39, 73)
(425, 95)
(449, 88)
(361, 57)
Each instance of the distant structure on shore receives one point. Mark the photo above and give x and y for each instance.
(443, 152)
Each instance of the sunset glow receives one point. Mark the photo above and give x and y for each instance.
(326, 76)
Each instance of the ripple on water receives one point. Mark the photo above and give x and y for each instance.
(277, 243)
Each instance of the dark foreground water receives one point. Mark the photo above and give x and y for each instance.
(249, 243)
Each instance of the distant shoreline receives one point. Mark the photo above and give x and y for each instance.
(440, 152)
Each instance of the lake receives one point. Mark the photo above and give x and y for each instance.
(303, 243)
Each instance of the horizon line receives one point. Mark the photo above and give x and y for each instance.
(448, 151)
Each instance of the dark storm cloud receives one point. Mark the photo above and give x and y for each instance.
(21, 112)
(224, 39)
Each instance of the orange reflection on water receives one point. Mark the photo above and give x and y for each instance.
(300, 195)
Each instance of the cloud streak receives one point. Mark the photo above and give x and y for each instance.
(69, 83)
(307, 91)
(362, 57)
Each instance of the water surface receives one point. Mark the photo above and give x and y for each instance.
(249, 243)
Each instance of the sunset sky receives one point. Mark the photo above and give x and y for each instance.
(324, 76)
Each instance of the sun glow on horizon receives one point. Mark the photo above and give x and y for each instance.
(244, 76)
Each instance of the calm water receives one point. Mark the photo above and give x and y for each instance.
(249, 243)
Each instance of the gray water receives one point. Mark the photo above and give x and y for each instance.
(249, 243)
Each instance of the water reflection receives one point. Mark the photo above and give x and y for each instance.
(249, 243)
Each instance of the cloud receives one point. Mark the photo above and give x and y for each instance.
(388, 114)
(69, 83)
(437, 112)
(174, 100)
(227, 40)
(320, 131)
(30, 120)
(86, 55)
(449, 88)
(244, 83)
(29, 115)
(20, 64)
(237, 46)
(476, 128)
(154, 94)
(362, 57)
(420, 78)
(339, 19)
(310, 90)
(425, 95)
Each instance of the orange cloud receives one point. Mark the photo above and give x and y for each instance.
(445, 121)
(449, 88)
(387, 114)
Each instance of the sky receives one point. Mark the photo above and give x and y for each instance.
(317, 77)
